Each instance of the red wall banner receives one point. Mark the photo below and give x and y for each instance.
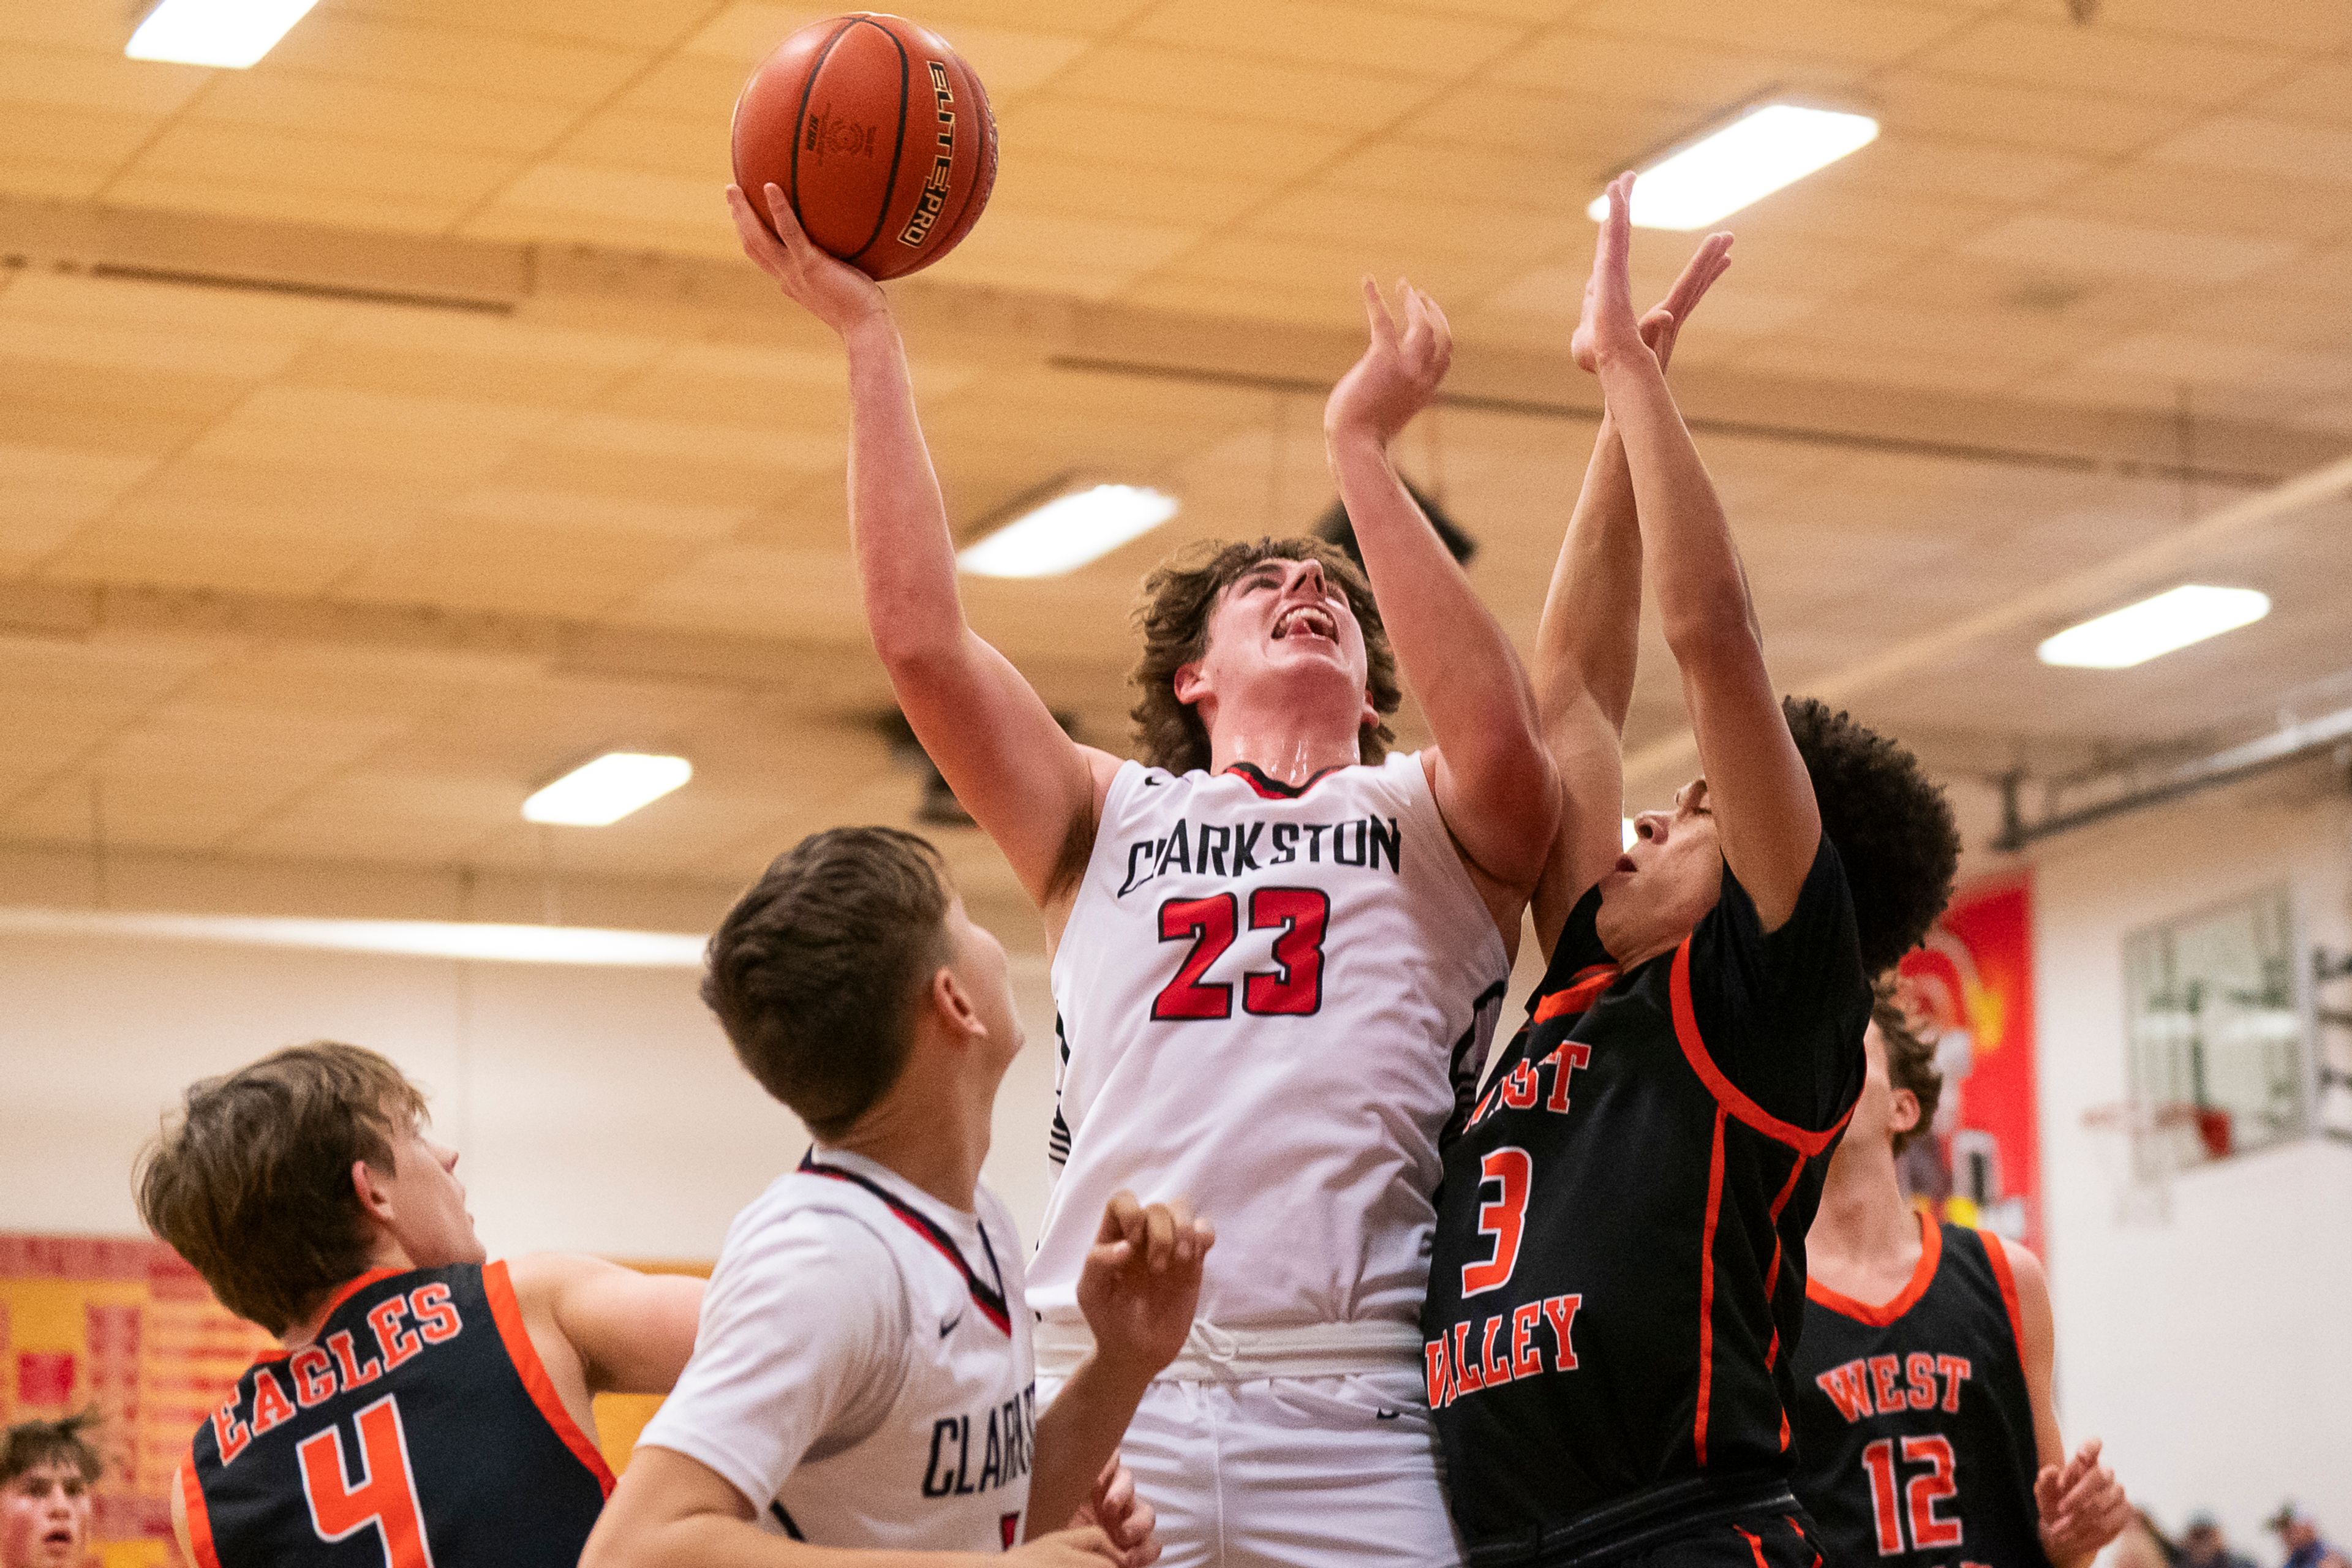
(1970, 986)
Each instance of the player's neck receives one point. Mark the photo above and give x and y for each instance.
(387, 1257)
(1865, 1223)
(933, 1137)
(1284, 744)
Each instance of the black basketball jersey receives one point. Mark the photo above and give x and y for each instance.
(1618, 1272)
(419, 1430)
(1914, 1432)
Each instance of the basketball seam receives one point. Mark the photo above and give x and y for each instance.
(800, 119)
(890, 185)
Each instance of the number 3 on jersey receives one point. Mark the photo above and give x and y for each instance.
(384, 1496)
(1293, 988)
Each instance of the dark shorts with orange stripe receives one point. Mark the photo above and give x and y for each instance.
(1619, 1273)
(418, 1427)
(1775, 1540)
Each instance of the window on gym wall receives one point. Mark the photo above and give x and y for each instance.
(2219, 1051)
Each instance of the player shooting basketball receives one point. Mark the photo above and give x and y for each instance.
(1926, 1429)
(1278, 948)
(1619, 1264)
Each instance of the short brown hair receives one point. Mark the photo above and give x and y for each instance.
(1910, 1061)
(1173, 615)
(251, 1182)
(814, 973)
(32, 1446)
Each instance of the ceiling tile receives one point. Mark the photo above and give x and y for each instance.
(2106, 61)
(2271, 147)
(1846, 30)
(100, 83)
(450, 59)
(2086, 245)
(1183, 81)
(301, 105)
(1319, 32)
(2043, 118)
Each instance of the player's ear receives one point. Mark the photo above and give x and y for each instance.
(1902, 1111)
(370, 1186)
(1189, 684)
(951, 1005)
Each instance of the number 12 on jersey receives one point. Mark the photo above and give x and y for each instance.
(1929, 1531)
(384, 1496)
(1293, 988)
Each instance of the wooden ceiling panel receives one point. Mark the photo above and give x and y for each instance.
(1930, 168)
(2277, 149)
(2288, 24)
(49, 133)
(1321, 32)
(1650, 68)
(2241, 203)
(619, 24)
(1084, 189)
(300, 104)
(1052, 126)
(2106, 61)
(2319, 92)
(2105, 248)
(461, 61)
(569, 568)
(2037, 117)
(1185, 81)
(97, 82)
(1851, 32)
(657, 143)
(1087, 256)
(262, 198)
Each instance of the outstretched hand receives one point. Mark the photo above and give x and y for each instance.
(828, 287)
(1401, 371)
(2082, 1506)
(1141, 1283)
(1663, 324)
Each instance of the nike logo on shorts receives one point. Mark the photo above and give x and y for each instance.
(949, 1327)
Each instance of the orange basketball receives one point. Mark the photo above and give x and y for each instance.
(879, 136)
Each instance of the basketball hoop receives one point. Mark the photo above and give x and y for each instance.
(2158, 1139)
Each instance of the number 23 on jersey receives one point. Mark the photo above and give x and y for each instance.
(1292, 988)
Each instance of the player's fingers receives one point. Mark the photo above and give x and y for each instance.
(1121, 1217)
(1415, 343)
(2045, 1489)
(1440, 332)
(1111, 1253)
(1137, 1526)
(1376, 314)
(1160, 1243)
(787, 221)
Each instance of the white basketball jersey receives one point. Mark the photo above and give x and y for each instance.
(915, 1429)
(1269, 1001)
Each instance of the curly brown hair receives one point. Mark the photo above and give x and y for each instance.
(1910, 1061)
(1893, 827)
(1172, 613)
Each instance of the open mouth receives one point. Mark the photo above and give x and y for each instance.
(1625, 864)
(62, 1535)
(1305, 621)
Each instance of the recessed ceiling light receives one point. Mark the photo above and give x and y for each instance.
(1069, 531)
(2138, 633)
(606, 790)
(1770, 146)
(233, 33)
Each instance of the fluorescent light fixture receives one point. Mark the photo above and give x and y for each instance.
(2138, 633)
(598, 794)
(478, 941)
(233, 33)
(1069, 531)
(1770, 146)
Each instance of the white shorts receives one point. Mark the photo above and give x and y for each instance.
(1320, 1471)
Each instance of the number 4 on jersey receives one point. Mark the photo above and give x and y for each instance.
(1293, 988)
(384, 1496)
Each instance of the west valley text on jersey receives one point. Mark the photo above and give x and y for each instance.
(1235, 850)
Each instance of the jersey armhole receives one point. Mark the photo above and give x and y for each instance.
(1998, 1255)
(200, 1521)
(1727, 1094)
(507, 1311)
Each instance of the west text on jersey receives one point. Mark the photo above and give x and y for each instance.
(1004, 1433)
(1883, 1385)
(1233, 850)
(338, 1364)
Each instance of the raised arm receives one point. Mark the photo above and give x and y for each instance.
(1756, 781)
(1587, 643)
(1036, 792)
(1494, 781)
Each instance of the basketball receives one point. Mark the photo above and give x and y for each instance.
(879, 134)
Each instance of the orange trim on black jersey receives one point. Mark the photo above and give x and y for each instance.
(1726, 1093)
(1271, 788)
(342, 1293)
(200, 1521)
(1998, 1255)
(506, 1310)
(1923, 1274)
(1583, 989)
(1707, 1291)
